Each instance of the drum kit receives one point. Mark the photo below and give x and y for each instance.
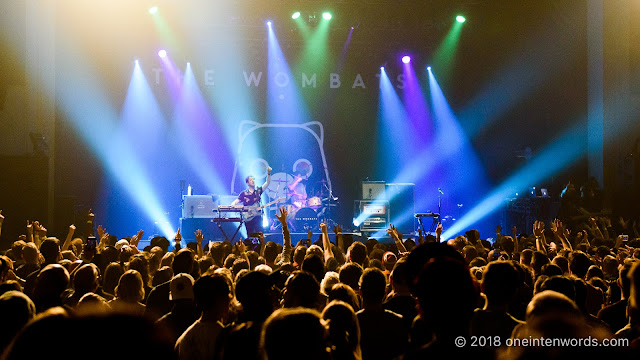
(304, 213)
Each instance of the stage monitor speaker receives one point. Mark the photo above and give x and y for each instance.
(402, 206)
(373, 190)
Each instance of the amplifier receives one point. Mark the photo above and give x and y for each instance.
(375, 213)
(373, 190)
(198, 206)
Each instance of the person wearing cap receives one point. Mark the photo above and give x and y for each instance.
(389, 260)
(184, 312)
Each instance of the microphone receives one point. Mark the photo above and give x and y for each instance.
(440, 191)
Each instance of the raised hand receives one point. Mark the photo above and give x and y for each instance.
(240, 246)
(29, 227)
(1, 217)
(178, 237)
(310, 233)
(199, 236)
(439, 230)
(36, 226)
(498, 229)
(72, 228)
(101, 231)
(91, 215)
(283, 215)
(538, 228)
(337, 229)
(323, 227)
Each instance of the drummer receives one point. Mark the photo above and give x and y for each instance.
(298, 191)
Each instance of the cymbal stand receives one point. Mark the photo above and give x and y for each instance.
(328, 215)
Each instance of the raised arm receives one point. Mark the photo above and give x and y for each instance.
(393, 231)
(268, 181)
(439, 233)
(262, 245)
(328, 253)
(178, 240)
(538, 231)
(286, 237)
(135, 239)
(37, 233)
(561, 234)
(594, 229)
(339, 239)
(30, 233)
(1, 221)
(89, 230)
(199, 238)
(242, 250)
(67, 240)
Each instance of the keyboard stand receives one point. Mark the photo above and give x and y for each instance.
(220, 220)
(434, 223)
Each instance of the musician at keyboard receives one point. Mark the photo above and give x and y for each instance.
(250, 197)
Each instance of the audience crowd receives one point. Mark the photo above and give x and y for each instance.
(97, 295)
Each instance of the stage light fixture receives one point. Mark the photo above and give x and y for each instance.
(406, 59)
(326, 15)
(429, 68)
(269, 23)
(356, 223)
(381, 68)
(460, 19)
(153, 10)
(295, 15)
(162, 53)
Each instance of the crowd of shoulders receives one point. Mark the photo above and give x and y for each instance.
(413, 298)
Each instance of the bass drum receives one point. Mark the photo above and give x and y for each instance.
(315, 203)
(306, 219)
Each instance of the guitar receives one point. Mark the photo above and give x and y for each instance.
(255, 210)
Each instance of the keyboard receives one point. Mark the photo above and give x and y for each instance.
(232, 208)
(219, 220)
(427, 215)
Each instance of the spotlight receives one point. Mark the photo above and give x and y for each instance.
(429, 68)
(153, 10)
(295, 15)
(460, 19)
(356, 223)
(406, 59)
(326, 15)
(162, 53)
(188, 64)
(137, 62)
(381, 68)
(269, 23)
(352, 28)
